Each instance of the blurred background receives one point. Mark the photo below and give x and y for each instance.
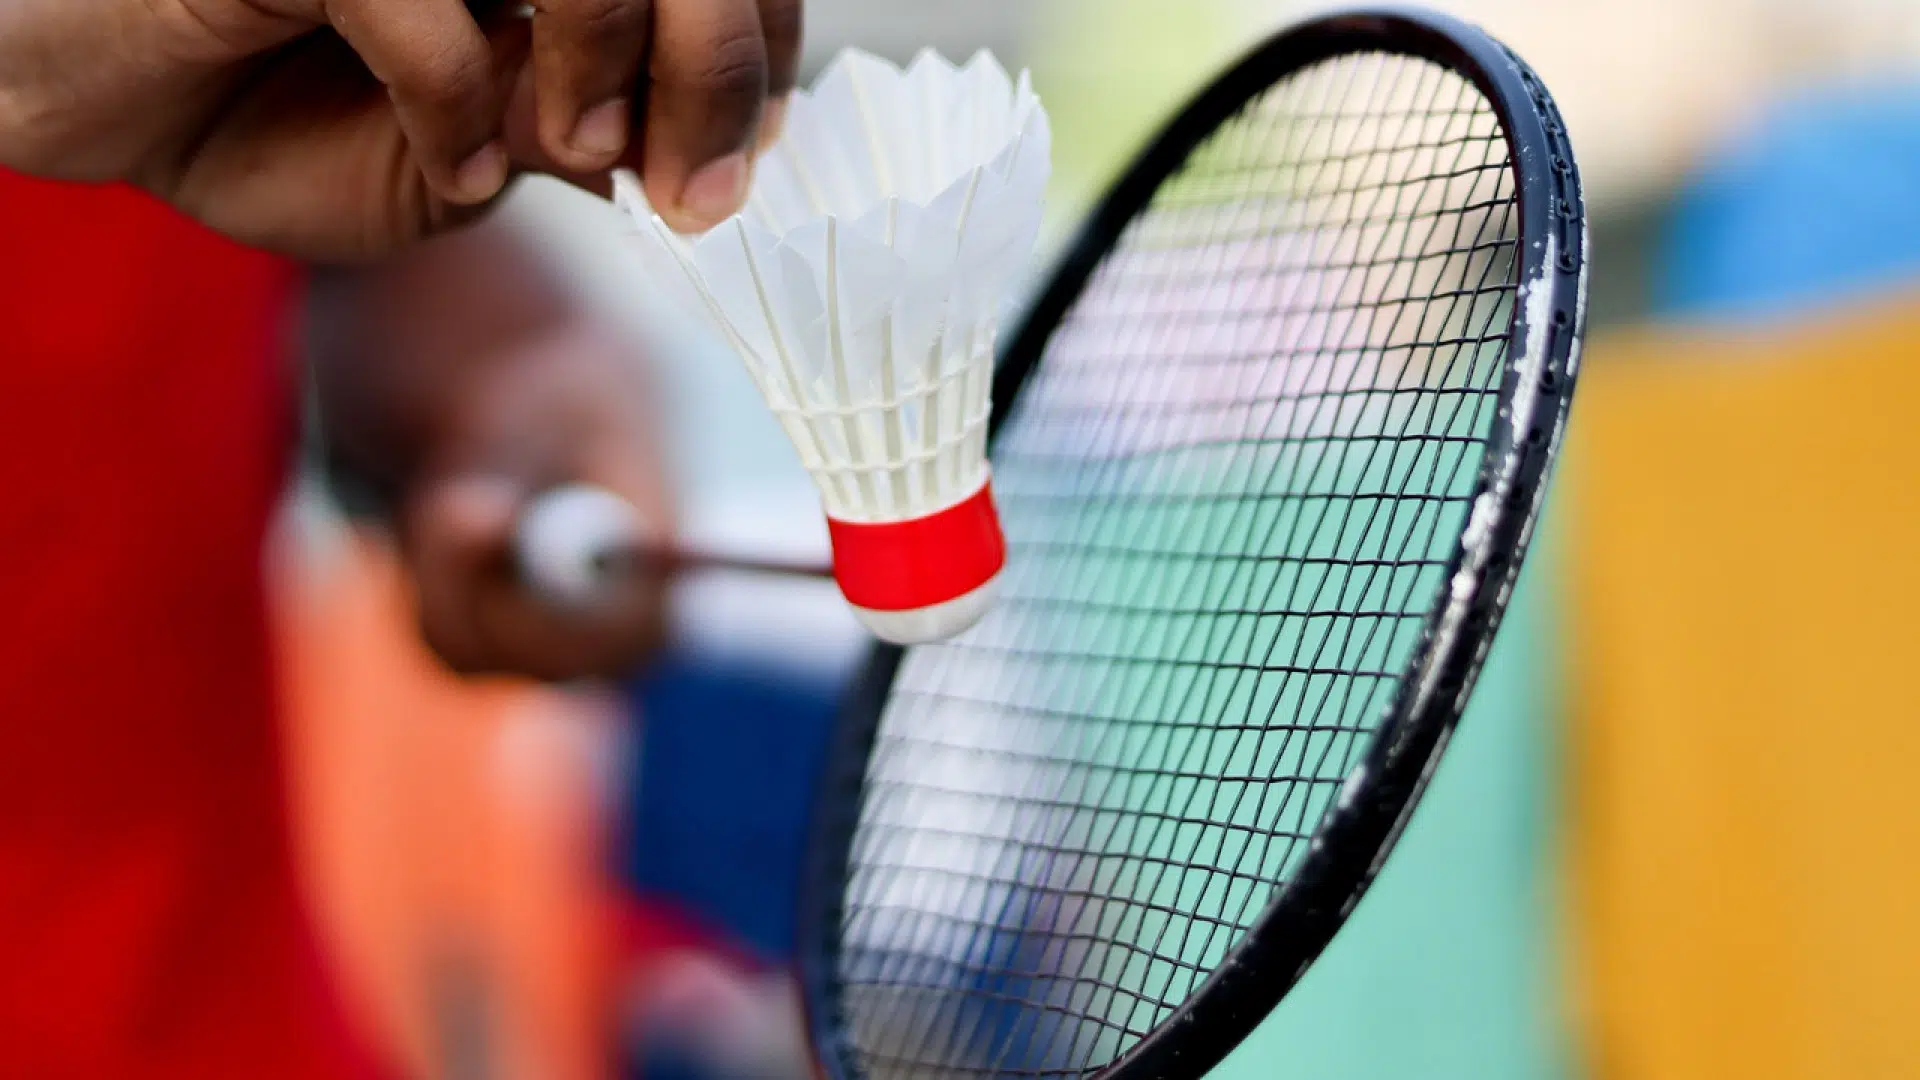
(1677, 836)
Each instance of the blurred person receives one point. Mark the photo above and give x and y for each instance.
(450, 827)
(152, 922)
(455, 826)
(454, 386)
(150, 907)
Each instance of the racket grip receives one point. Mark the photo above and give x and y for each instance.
(573, 541)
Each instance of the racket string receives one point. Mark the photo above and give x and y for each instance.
(1229, 492)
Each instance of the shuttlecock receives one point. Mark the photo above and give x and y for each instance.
(864, 283)
(572, 539)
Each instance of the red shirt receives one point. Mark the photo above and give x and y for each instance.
(149, 921)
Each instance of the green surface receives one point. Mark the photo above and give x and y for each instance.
(1110, 72)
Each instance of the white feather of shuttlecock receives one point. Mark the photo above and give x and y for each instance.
(884, 238)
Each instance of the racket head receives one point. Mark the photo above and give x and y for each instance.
(985, 964)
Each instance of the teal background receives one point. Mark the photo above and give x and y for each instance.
(1446, 969)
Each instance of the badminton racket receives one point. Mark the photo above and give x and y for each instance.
(1269, 448)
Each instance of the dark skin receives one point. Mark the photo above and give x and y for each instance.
(336, 130)
(349, 131)
(463, 383)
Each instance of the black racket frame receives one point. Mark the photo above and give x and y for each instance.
(1357, 834)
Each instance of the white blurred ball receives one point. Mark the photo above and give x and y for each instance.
(572, 538)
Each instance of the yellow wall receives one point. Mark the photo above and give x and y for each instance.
(1745, 623)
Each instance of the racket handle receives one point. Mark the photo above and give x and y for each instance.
(575, 541)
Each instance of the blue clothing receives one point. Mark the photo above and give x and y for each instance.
(728, 760)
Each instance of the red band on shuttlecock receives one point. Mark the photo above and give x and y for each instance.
(908, 565)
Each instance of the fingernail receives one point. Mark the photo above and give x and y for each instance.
(481, 176)
(479, 502)
(602, 130)
(716, 191)
(773, 120)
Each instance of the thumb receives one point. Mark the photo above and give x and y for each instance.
(466, 518)
(457, 533)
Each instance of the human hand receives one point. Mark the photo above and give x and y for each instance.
(566, 411)
(459, 384)
(337, 130)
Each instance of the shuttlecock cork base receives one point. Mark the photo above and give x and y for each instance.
(926, 578)
(863, 285)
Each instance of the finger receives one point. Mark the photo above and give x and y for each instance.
(520, 133)
(708, 80)
(781, 24)
(437, 67)
(609, 639)
(587, 57)
(606, 622)
(481, 615)
(601, 623)
(456, 534)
